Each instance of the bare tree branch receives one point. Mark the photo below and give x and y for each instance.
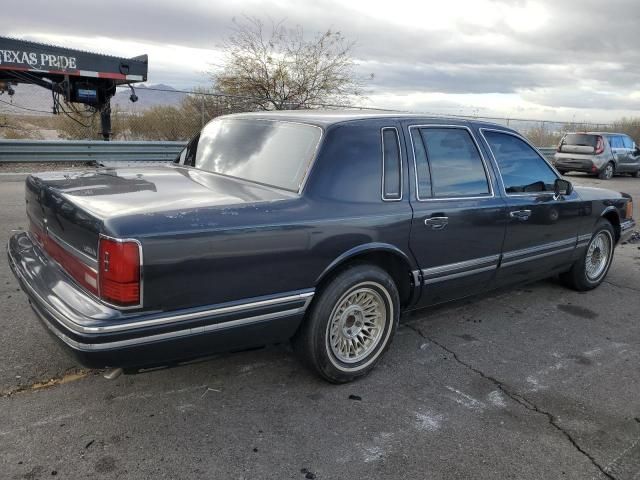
(285, 70)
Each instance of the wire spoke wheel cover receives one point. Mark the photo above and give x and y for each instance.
(598, 255)
(357, 323)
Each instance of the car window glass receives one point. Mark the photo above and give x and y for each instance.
(455, 163)
(189, 156)
(422, 167)
(628, 143)
(391, 185)
(616, 141)
(269, 152)
(521, 167)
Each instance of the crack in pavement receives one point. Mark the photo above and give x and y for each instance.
(621, 286)
(519, 399)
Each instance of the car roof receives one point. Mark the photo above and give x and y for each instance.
(595, 133)
(324, 118)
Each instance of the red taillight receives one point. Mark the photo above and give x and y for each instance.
(119, 268)
(81, 273)
(599, 146)
(117, 280)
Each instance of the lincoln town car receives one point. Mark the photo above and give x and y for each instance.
(313, 227)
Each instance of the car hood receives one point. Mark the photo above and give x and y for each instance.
(114, 192)
(593, 193)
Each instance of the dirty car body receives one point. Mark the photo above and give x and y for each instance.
(223, 252)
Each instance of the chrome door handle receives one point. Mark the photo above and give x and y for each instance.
(520, 214)
(437, 223)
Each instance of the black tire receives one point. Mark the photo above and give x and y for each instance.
(607, 172)
(313, 341)
(578, 277)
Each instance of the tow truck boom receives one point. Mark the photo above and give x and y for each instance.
(76, 75)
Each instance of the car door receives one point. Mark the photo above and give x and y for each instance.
(632, 160)
(620, 153)
(542, 228)
(458, 221)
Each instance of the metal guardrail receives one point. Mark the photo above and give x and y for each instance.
(87, 151)
(101, 152)
(548, 152)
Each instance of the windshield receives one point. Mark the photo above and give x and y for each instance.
(270, 152)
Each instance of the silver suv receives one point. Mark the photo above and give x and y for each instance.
(602, 154)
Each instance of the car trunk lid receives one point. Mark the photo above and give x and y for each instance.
(75, 206)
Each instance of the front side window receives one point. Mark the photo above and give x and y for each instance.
(423, 176)
(454, 162)
(628, 143)
(268, 152)
(521, 167)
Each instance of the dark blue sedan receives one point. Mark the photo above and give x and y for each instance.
(316, 227)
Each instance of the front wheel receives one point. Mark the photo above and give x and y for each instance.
(350, 324)
(589, 272)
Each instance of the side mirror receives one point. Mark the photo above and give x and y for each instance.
(562, 187)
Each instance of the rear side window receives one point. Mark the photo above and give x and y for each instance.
(391, 165)
(455, 164)
(616, 141)
(522, 169)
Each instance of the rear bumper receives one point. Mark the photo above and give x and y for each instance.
(626, 230)
(100, 336)
(576, 165)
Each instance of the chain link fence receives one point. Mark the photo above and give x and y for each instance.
(172, 115)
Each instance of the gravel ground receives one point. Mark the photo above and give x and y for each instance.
(535, 382)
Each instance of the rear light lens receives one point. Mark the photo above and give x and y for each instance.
(599, 146)
(117, 280)
(119, 268)
(86, 276)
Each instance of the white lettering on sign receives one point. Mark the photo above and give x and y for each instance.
(44, 61)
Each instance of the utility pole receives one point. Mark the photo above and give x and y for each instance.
(202, 110)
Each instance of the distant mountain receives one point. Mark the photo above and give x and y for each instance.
(28, 96)
(148, 96)
(33, 97)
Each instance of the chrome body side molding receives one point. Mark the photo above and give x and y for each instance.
(493, 262)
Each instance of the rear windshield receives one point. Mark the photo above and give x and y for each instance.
(269, 152)
(580, 139)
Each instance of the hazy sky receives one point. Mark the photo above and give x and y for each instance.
(552, 59)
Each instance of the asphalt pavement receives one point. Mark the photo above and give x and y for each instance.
(537, 382)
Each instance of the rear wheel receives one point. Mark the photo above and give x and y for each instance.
(350, 324)
(607, 172)
(589, 272)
